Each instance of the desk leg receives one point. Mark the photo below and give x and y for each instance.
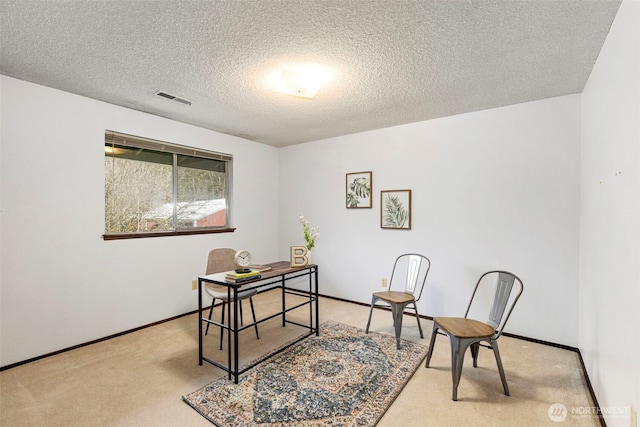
(315, 274)
(310, 296)
(199, 322)
(235, 335)
(229, 330)
(284, 303)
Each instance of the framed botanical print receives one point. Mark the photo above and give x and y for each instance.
(395, 209)
(359, 186)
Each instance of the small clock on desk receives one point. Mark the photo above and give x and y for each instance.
(243, 260)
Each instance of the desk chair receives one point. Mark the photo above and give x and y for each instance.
(221, 260)
(493, 296)
(407, 277)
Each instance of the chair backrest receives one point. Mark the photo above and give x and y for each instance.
(221, 259)
(410, 274)
(494, 298)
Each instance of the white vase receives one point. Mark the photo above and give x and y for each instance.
(308, 255)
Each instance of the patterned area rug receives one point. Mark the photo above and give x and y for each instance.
(344, 377)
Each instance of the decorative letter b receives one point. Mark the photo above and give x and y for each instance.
(299, 256)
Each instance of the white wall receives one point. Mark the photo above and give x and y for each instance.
(61, 284)
(496, 189)
(610, 218)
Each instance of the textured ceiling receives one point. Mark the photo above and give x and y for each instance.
(393, 61)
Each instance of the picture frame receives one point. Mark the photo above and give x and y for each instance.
(359, 190)
(395, 209)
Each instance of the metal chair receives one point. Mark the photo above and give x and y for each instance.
(221, 260)
(408, 277)
(495, 296)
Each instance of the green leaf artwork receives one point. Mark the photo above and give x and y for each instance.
(359, 190)
(395, 214)
(395, 209)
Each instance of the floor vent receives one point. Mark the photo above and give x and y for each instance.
(173, 97)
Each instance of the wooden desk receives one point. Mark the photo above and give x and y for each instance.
(279, 274)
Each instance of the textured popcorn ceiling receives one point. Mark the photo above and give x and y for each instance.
(393, 61)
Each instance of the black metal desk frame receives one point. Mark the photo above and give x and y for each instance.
(280, 273)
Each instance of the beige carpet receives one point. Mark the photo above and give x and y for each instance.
(138, 379)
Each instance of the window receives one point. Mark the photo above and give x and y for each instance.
(154, 188)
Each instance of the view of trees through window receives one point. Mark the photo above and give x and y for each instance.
(140, 195)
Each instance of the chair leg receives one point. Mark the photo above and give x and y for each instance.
(432, 343)
(398, 311)
(475, 348)
(222, 321)
(458, 348)
(456, 365)
(373, 301)
(210, 313)
(494, 346)
(418, 319)
(253, 312)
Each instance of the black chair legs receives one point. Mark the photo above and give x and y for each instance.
(210, 313)
(253, 313)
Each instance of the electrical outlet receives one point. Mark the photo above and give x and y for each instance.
(194, 285)
(383, 284)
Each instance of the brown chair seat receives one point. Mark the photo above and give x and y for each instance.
(464, 328)
(395, 297)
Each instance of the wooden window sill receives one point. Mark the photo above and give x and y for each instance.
(123, 236)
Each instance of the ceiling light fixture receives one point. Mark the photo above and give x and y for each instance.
(303, 81)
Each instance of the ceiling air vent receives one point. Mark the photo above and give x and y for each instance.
(173, 97)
